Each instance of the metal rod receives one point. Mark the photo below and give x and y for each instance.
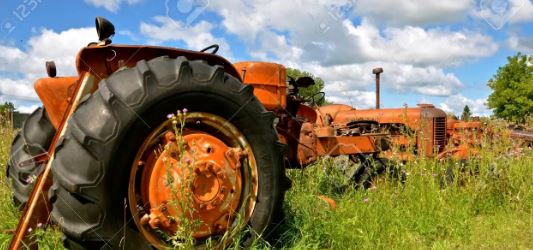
(377, 72)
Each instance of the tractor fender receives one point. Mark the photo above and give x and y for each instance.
(102, 61)
(55, 94)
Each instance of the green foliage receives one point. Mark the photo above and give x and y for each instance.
(465, 116)
(311, 91)
(7, 107)
(512, 96)
(489, 205)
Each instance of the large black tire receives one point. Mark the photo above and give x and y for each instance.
(94, 157)
(33, 139)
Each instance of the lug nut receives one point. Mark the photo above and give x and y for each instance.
(145, 219)
(197, 171)
(209, 166)
(208, 148)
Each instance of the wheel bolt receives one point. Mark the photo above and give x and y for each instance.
(208, 148)
(209, 166)
(145, 219)
(197, 171)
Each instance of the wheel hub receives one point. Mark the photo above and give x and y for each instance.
(199, 181)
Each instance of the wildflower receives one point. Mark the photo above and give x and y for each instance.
(31, 179)
(169, 116)
(365, 200)
(39, 224)
(29, 230)
(185, 110)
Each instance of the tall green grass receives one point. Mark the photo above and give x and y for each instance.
(489, 205)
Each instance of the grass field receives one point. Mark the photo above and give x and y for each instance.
(492, 209)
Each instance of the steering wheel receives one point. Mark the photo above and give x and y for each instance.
(214, 47)
(317, 98)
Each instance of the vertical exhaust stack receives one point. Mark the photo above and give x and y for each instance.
(377, 72)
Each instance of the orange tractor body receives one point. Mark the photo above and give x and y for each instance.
(421, 130)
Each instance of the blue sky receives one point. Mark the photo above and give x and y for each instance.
(440, 52)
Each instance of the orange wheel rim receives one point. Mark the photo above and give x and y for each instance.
(207, 175)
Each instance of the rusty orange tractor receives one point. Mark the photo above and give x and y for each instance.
(423, 130)
(103, 162)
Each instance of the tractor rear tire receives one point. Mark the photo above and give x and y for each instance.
(93, 159)
(33, 139)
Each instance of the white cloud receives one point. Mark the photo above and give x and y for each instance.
(49, 45)
(456, 103)
(110, 5)
(354, 98)
(413, 12)
(524, 11)
(521, 44)
(18, 89)
(416, 45)
(403, 78)
(196, 37)
(323, 31)
(20, 68)
(26, 108)
(322, 37)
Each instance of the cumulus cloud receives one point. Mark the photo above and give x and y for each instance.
(323, 31)
(403, 78)
(521, 44)
(418, 46)
(325, 38)
(26, 108)
(196, 37)
(413, 12)
(21, 89)
(110, 5)
(20, 68)
(456, 103)
(61, 47)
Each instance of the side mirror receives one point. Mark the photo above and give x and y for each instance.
(304, 82)
(104, 28)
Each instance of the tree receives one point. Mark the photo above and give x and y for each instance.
(308, 92)
(465, 116)
(512, 85)
(7, 107)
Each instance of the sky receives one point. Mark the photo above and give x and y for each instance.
(439, 52)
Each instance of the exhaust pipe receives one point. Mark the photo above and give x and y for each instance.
(377, 72)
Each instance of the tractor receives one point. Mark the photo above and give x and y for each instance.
(414, 131)
(102, 161)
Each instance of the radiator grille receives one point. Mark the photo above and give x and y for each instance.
(439, 133)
